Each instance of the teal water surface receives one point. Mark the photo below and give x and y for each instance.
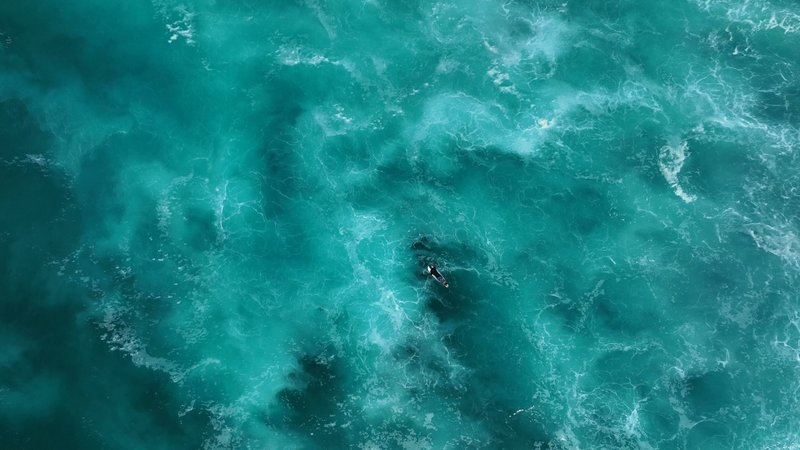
(215, 217)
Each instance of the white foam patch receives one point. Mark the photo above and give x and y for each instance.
(759, 15)
(225, 436)
(395, 439)
(5, 40)
(742, 313)
(237, 207)
(724, 105)
(293, 56)
(164, 214)
(393, 309)
(361, 227)
(465, 119)
(178, 21)
(502, 80)
(335, 120)
(787, 21)
(566, 436)
(447, 65)
(220, 197)
(366, 226)
(637, 91)
(531, 53)
(781, 241)
(633, 426)
(163, 206)
(121, 337)
(495, 267)
(670, 161)
(786, 344)
(38, 159)
(322, 16)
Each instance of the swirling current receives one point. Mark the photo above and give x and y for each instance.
(215, 219)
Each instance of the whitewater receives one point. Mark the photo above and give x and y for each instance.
(215, 220)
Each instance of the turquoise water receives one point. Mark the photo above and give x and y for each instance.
(215, 216)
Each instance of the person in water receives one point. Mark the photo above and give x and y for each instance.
(433, 271)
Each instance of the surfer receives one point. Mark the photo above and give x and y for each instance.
(435, 274)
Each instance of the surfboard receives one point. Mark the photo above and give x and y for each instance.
(438, 278)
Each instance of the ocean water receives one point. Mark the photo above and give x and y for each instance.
(215, 216)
